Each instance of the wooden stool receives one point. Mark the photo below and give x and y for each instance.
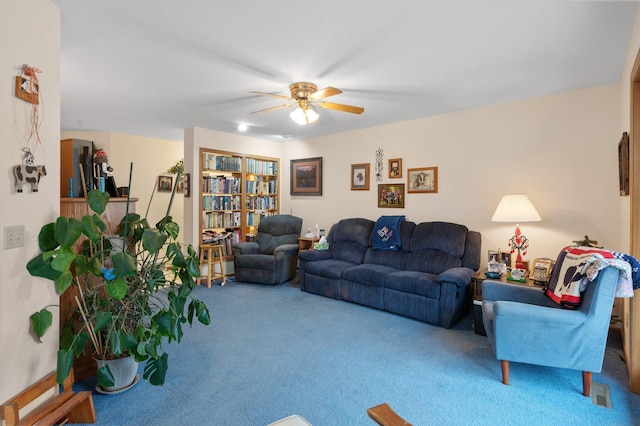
(214, 257)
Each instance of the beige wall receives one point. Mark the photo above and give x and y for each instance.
(22, 360)
(561, 150)
(151, 157)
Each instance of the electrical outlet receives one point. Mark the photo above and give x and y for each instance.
(13, 236)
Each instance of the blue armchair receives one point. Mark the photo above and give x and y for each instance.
(524, 325)
(273, 257)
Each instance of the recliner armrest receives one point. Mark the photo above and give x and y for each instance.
(459, 276)
(246, 248)
(286, 250)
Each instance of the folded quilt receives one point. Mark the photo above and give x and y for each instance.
(386, 233)
(578, 266)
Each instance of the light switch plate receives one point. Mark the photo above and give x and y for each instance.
(13, 236)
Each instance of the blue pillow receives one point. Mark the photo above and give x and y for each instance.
(386, 233)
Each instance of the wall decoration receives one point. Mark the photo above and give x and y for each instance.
(28, 175)
(27, 86)
(423, 179)
(360, 177)
(165, 183)
(623, 164)
(186, 181)
(379, 166)
(306, 176)
(395, 168)
(391, 195)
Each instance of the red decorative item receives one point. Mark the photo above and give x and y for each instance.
(519, 243)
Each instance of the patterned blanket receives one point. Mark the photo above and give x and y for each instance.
(386, 233)
(578, 266)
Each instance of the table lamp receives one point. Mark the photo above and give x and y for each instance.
(516, 208)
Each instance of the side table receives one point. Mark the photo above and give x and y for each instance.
(305, 243)
(476, 282)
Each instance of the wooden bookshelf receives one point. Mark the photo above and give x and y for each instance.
(236, 191)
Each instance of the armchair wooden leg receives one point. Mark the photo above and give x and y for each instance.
(586, 383)
(505, 371)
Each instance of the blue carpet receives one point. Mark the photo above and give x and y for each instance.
(275, 351)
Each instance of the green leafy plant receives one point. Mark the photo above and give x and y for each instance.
(130, 300)
(177, 168)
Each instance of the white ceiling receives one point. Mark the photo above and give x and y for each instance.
(156, 67)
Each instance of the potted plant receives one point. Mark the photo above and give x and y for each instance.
(133, 290)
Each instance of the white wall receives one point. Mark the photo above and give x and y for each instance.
(561, 150)
(30, 30)
(151, 157)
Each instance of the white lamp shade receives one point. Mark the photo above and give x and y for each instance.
(516, 208)
(304, 116)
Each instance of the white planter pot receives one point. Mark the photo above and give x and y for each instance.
(124, 373)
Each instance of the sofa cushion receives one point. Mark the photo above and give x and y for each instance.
(431, 261)
(373, 275)
(414, 282)
(330, 268)
(449, 238)
(349, 239)
(437, 246)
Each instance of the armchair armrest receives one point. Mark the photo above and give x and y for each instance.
(286, 250)
(498, 290)
(542, 316)
(312, 255)
(459, 276)
(246, 248)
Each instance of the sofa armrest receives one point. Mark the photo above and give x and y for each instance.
(286, 250)
(459, 276)
(313, 255)
(246, 248)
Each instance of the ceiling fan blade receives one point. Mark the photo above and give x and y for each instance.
(325, 93)
(274, 108)
(341, 107)
(288, 98)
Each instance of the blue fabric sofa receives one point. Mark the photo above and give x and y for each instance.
(428, 278)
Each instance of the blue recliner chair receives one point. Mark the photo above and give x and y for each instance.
(524, 325)
(273, 257)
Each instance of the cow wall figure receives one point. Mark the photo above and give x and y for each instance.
(28, 175)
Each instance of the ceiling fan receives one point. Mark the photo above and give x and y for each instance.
(304, 95)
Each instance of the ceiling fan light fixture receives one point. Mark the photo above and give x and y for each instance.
(304, 116)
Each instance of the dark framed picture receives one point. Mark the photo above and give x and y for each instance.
(505, 257)
(395, 168)
(424, 179)
(306, 176)
(186, 185)
(391, 195)
(623, 164)
(165, 183)
(360, 177)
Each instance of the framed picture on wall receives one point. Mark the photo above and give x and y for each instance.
(360, 177)
(306, 176)
(424, 179)
(391, 195)
(395, 168)
(165, 183)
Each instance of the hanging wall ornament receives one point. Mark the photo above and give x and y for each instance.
(379, 166)
(28, 89)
